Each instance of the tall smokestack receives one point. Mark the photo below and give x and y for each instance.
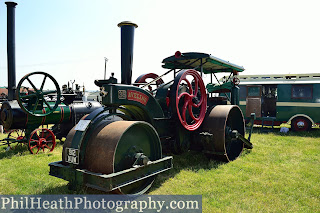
(11, 47)
(127, 37)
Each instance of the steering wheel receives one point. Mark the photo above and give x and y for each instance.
(236, 81)
(34, 102)
(142, 79)
(189, 93)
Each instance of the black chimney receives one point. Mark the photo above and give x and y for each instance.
(11, 46)
(127, 37)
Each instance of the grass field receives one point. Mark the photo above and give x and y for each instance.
(281, 174)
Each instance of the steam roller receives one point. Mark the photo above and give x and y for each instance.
(119, 147)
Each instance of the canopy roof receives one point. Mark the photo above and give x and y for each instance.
(194, 60)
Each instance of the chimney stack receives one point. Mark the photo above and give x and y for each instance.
(11, 46)
(127, 37)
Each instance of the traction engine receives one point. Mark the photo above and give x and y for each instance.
(37, 105)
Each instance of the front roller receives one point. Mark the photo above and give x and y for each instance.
(123, 144)
(120, 157)
(223, 132)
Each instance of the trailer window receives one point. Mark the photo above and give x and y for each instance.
(301, 91)
(254, 91)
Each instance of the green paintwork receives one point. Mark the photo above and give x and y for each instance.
(117, 95)
(35, 101)
(210, 63)
(216, 87)
(112, 181)
(284, 113)
(62, 113)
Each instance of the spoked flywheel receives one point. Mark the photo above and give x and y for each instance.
(122, 145)
(35, 100)
(144, 79)
(189, 99)
(41, 140)
(225, 132)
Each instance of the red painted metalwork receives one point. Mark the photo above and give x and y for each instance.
(275, 123)
(18, 135)
(300, 124)
(236, 81)
(142, 79)
(177, 54)
(190, 100)
(43, 139)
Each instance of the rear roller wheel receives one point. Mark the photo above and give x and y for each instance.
(221, 124)
(121, 145)
(41, 140)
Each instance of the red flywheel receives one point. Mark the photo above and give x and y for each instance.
(189, 98)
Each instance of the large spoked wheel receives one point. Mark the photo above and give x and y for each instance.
(16, 138)
(220, 123)
(143, 79)
(300, 124)
(34, 101)
(189, 99)
(41, 140)
(120, 145)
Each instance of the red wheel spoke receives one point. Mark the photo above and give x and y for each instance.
(184, 110)
(47, 136)
(198, 104)
(38, 149)
(191, 113)
(33, 146)
(182, 94)
(47, 146)
(189, 85)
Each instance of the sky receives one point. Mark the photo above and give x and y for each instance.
(69, 39)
